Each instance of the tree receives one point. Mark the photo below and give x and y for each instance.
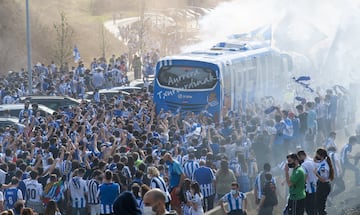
(64, 40)
(103, 40)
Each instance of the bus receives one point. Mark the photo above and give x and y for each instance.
(220, 79)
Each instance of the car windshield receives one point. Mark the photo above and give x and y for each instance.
(187, 77)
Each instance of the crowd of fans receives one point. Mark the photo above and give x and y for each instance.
(75, 81)
(80, 160)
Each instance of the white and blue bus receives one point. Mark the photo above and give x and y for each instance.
(220, 79)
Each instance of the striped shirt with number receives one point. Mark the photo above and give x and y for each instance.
(12, 195)
(34, 190)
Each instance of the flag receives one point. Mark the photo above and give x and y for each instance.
(300, 99)
(302, 78)
(270, 110)
(76, 54)
(341, 88)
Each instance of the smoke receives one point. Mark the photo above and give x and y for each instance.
(321, 35)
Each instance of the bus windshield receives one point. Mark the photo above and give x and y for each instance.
(182, 77)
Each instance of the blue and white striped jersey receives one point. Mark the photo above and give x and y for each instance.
(345, 153)
(260, 181)
(11, 196)
(78, 191)
(158, 182)
(108, 192)
(234, 203)
(336, 164)
(324, 170)
(93, 187)
(311, 179)
(189, 168)
(205, 177)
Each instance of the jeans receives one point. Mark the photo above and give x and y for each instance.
(78, 211)
(94, 209)
(310, 203)
(236, 212)
(322, 192)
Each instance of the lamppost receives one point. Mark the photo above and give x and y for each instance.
(141, 33)
(28, 43)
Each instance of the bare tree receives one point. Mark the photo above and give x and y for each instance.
(64, 40)
(103, 40)
(142, 27)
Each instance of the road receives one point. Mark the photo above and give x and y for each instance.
(113, 28)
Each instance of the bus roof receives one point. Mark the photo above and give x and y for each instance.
(222, 52)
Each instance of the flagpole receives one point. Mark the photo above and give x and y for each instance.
(28, 43)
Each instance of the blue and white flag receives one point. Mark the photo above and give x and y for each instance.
(270, 110)
(76, 54)
(300, 99)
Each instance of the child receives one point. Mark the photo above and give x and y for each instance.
(197, 200)
(186, 193)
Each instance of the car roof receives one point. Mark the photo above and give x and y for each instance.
(135, 82)
(9, 119)
(126, 88)
(21, 106)
(46, 98)
(108, 91)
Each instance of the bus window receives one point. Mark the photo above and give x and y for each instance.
(187, 77)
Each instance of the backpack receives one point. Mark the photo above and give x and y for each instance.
(271, 198)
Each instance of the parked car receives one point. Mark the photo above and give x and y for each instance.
(13, 110)
(108, 93)
(140, 83)
(52, 102)
(127, 89)
(11, 122)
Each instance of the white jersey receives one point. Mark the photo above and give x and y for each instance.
(324, 170)
(2, 176)
(34, 190)
(309, 166)
(78, 191)
(336, 163)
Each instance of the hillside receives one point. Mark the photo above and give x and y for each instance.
(84, 16)
(87, 32)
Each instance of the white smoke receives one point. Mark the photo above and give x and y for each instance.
(322, 33)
